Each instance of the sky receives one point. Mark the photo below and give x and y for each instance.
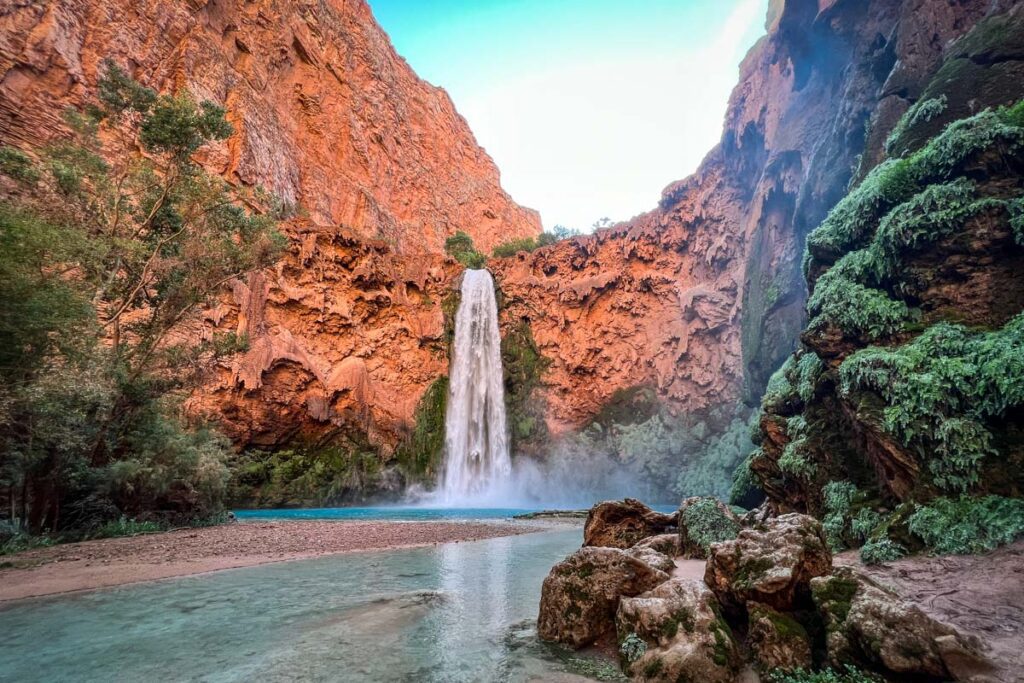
(588, 107)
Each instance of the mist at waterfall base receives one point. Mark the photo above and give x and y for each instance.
(479, 471)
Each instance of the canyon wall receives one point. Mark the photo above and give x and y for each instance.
(345, 335)
(701, 299)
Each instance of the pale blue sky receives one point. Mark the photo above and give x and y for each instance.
(589, 107)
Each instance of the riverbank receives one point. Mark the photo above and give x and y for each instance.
(118, 561)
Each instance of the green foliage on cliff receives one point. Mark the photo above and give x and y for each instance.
(922, 111)
(460, 247)
(794, 460)
(17, 165)
(852, 222)
(859, 311)
(523, 367)
(305, 476)
(513, 247)
(968, 524)
(941, 389)
(105, 261)
(420, 455)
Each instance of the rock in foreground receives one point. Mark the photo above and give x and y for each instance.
(685, 635)
(773, 566)
(621, 524)
(868, 623)
(580, 595)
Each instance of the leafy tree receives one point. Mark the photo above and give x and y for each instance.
(460, 247)
(122, 242)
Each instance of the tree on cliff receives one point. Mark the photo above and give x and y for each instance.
(112, 243)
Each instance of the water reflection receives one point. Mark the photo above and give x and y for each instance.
(430, 614)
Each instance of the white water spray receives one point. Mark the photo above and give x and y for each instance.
(477, 463)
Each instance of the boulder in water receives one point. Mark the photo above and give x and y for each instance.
(580, 595)
(773, 566)
(684, 635)
(622, 524)
(869, 625)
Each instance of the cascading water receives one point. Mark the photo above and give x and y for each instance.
(477, 461)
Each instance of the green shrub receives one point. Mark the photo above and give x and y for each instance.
(840, 299)
(744, 482)
(781, 389)
(939, 391)
(880, 551)
(460, 247)
(512, 247)
(852, 221)
(848, 674)
(864, 523)
(17, 165)
(838, 497)
(126, 527)
(632, 648)
(793, 460)
(705, 523)
(1017, 219)
(808, 370)
(922, 111)
(968, 525)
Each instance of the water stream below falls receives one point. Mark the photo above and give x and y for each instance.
(477, 460)
(454, 613)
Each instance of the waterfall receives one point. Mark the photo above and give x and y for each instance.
(477, 460)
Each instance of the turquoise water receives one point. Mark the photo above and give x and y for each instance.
(397, 513)
(455, 612)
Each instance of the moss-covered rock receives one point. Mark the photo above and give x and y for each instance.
(685, 635)
(870, 626)
(420, 455)
(703, 521)
(580, 595)
(777, 640)
(772, 565)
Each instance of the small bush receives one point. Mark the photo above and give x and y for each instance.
(460, 247)
(512, 247)
(808, 370)
(968, 525)
(880, 551)
(632, 648)
(17, 165)
(922, 112)
(127, 527)
(780, 389)
(705, 523)
(848, 674)
(744, 483)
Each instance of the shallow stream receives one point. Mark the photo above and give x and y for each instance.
(454, 612)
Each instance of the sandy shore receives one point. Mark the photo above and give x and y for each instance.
(119, 561)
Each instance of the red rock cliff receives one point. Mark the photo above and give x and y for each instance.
(702, 298)
(344, 334)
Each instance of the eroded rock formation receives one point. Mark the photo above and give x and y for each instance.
(344, 336)
(702, 298)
